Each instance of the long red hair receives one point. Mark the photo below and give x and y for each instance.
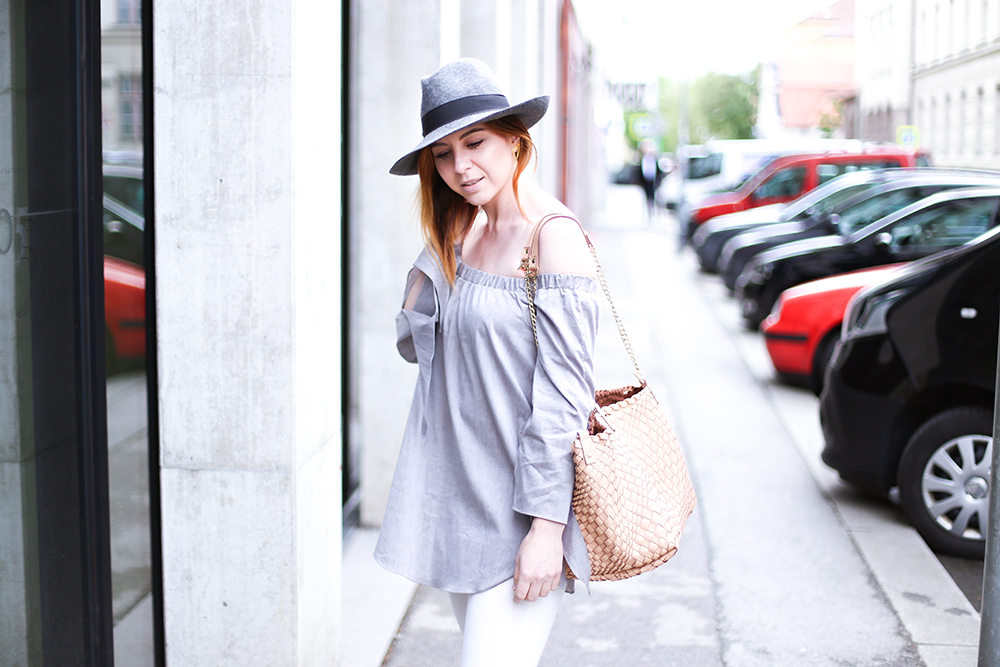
(445, 216)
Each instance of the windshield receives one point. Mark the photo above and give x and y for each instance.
(875, 208)
(831, 201)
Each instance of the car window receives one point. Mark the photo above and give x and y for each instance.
(704, 166)
(124, 232)
(831, 202)
(875, 208)
(784, 183)
(126, 189)
(827, 171)
(946, 226)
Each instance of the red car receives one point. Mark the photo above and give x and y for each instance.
(790, 176)
(802, 330)
(124, 313)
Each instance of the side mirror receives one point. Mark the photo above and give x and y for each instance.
(883, 240)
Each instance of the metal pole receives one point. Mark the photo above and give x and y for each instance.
(989, 632)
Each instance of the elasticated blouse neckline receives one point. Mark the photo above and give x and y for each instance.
(514, 283)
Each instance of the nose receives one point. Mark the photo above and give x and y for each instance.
(462, 161)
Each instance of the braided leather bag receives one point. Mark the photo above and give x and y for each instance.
(633, 493)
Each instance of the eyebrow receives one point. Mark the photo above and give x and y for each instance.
(463, 136)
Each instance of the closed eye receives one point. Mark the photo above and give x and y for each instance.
(440, 156)
(475, 144)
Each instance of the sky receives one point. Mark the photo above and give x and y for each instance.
(642, 39)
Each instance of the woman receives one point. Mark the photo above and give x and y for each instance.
(480, 504)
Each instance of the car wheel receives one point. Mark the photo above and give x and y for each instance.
(824, 353)
(944, 477)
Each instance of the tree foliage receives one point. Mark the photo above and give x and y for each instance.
(720, 106)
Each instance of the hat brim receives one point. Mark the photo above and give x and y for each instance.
(530, 112)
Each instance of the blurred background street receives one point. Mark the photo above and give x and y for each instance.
(781, 563)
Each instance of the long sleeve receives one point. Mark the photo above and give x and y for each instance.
(561, 400)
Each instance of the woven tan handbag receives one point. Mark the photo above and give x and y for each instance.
(633, 493)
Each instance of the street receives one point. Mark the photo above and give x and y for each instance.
(781, 563)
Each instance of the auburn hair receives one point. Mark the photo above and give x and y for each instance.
(445, 216)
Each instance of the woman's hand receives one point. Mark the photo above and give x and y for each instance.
(539, 563)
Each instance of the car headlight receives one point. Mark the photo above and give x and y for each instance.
(866, 316)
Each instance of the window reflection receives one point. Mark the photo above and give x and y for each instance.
(125, 331)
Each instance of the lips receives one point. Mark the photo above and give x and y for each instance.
(472, 183)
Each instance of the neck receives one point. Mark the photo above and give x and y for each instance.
(503, 210)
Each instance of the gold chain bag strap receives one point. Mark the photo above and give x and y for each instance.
(633, 493)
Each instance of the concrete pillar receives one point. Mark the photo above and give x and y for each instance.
(384, 233)
(247, 168)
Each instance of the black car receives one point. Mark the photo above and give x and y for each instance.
(124, 232)
(933, 224)
(908, 400)
(860, 209)
(712, 235)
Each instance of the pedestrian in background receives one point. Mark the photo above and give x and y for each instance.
(480, 504)
(649, 175)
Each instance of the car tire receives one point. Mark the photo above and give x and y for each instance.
(824, 353)
(943, 478)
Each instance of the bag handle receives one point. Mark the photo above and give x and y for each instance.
(529, 264)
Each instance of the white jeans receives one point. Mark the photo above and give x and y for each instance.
(498, 632)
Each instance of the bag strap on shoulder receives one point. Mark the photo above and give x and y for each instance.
(530, 267)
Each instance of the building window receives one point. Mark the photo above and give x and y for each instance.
(963, 103)
(946, 126)
(980, 120)
(937, 33)
(129, 12)
(931, 138)
(950, 44)
(130, 108)
(985, 21)
(996, 122)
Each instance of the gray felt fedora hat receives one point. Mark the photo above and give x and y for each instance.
(460, 94)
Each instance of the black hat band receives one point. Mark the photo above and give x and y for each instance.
(460, 108)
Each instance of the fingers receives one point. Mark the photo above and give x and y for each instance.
(526, 590)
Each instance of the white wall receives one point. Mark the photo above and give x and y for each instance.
(247, 169)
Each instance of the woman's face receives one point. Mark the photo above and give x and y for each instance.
(476, 162)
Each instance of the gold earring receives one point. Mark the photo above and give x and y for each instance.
(515, 150)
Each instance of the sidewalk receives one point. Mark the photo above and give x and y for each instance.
(781, 564)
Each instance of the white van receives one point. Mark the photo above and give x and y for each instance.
(720, 165)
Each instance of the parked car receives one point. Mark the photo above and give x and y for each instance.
(902, 188)
(124, 314)
(710, 237)
(124, 286)
(909, 397)
(124, 232)
(125, 184)
(804, 327)
(933, 224)
(788, 177)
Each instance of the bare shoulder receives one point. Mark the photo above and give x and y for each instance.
(562, 248)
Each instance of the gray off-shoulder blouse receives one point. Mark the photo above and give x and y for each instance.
(487, 444)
